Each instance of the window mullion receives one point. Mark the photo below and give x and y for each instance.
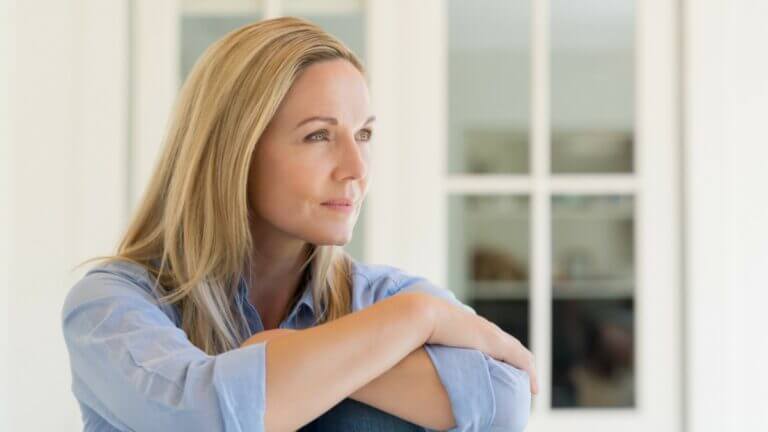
(540, 292)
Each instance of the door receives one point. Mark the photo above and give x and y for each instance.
(527, 158)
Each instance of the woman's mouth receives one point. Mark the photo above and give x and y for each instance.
(340, 205)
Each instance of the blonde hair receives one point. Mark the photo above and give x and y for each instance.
(193, 218)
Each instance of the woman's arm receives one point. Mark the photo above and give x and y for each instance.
(471, 383)
(486, 391)
(413, 390)
(331, 361)
(410, 390)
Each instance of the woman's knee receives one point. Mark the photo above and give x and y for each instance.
(353, 416)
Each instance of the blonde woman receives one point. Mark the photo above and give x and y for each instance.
(230, 304)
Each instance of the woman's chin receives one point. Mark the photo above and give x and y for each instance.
(342, 242)
(332, 240)
(332, 235)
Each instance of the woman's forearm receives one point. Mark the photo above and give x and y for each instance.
(329, 362)
(412, 391)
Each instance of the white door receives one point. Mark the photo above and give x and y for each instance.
(526, 157)
(531, 165)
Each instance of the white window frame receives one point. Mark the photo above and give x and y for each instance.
(412, 188)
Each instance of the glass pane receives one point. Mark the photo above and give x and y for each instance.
(593, 301)
(344, 19)
(205, 21)
(488, 86)
(592, 73)
(488, 253)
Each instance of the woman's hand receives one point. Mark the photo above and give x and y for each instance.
(456, 326)
(266, 335)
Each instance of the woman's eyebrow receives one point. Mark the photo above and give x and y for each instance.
(331, 120)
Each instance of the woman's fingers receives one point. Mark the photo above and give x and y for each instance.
(534, 379)
(522, 358)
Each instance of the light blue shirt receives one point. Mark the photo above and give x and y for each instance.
(133, 368)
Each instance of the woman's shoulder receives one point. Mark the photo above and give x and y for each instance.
(129, 270)
(380, 274)
(375, 282)
(110, 281)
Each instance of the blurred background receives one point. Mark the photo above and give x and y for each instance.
(588, 174)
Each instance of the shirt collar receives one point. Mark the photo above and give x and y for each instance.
(306, 300)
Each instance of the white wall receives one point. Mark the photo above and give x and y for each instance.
(6, 54)
(727, 214)
(67, 198)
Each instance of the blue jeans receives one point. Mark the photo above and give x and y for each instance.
(350, 415)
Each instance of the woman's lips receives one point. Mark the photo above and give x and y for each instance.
(344, 208)
(339, 201)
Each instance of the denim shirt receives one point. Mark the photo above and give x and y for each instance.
(134, 368)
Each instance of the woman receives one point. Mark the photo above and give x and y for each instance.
(230, 304)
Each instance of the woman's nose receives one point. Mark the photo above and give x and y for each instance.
(352, 159)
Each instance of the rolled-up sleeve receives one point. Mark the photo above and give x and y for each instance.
(135, 368)
(512, 393)
(485, 394)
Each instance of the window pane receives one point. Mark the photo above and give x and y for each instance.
(344, 19)
(593, 301)
(488, 86)
(488, 253)
(592, 73)
(205, 21)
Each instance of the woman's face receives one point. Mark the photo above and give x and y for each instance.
(309, 174)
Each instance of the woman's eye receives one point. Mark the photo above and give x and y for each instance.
(363, 135)
(319, 134)
(366, 134)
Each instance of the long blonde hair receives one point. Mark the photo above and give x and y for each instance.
(194, 216)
